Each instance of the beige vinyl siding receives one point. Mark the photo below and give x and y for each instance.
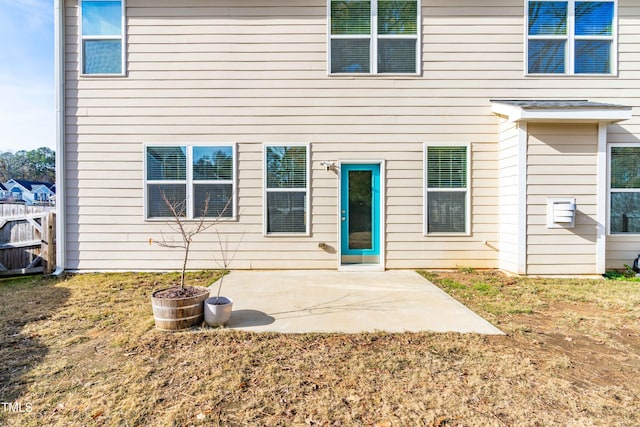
(254, 71)
(621, 249)
(562, 162)
(509, 171)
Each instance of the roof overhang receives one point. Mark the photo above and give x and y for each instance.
(567, 111)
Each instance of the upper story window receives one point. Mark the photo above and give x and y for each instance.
(102, 37)
(571, 37)
(188, 176)
(447, 189)
(374, 36)
(624, 189)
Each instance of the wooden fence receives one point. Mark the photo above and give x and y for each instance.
(27, 239)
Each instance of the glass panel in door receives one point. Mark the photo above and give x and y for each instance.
(360, 206)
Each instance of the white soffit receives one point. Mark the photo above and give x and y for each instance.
(559, 111)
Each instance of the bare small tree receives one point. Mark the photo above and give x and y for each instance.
(226, 257)
(187, 230)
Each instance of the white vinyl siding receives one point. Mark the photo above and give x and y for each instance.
(102, 34)
(286, 186)
(509, 176)
(195, 180)
(447, 171)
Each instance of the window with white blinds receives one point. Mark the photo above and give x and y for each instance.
(571, 37)
(624, 189)
(286, 189)
(188, 176)
(374, 36)
(447, 189)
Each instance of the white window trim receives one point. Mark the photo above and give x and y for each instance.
(122, 37)
(570, 40)
(617, 190)
(373, 44)
(189, 182)
(425, 190)
(307, 190)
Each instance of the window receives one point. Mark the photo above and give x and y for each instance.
(624, 189)
(447, 189)
(374, 37)
(571, 37)
(102, 37)
(286, 189)
(187, 176)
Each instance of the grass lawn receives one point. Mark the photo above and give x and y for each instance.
(83, 351)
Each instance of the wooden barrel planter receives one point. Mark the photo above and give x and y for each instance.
(174, 314)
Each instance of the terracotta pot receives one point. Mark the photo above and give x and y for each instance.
(180, 313)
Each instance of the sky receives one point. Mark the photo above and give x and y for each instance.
(27, 91)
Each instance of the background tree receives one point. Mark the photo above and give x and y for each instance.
(33, 165)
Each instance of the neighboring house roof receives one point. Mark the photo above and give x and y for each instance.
(3, 188)
(532, 104)
(31, 184)
(40, 188)
(30, 187)
(29, 191)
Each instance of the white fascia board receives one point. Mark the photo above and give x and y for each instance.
(518, 114)
(505, 110)
(588, 115)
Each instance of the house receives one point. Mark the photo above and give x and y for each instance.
(5, 194)
(30, 192)
(41, 193)
(360, 134)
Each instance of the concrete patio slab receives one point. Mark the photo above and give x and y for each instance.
(350, 302)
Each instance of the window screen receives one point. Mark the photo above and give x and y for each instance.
(624, 214)
(197, 180)
(447, 189)
(286, 189)
(557, 28)
(355, 38)
(102, 37)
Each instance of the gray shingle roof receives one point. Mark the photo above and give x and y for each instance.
(567, 104)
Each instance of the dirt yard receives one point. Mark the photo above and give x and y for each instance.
(83, 351)
(591, 329)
